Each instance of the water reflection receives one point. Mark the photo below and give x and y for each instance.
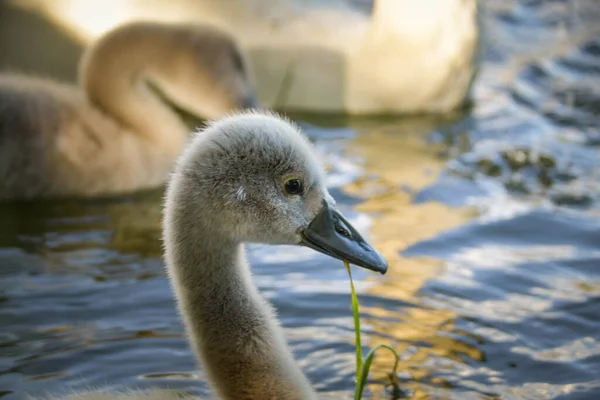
(105, 239)
(400, 161)
(544, 325)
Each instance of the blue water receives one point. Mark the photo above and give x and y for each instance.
(490, 220)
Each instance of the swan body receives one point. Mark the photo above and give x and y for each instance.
(408, 56)
(229, 188)
(115, 133)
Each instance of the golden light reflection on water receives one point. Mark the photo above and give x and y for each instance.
(398, 155)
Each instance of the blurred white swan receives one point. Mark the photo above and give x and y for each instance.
(409, 56)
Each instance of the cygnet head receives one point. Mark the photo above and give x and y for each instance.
(254, 177)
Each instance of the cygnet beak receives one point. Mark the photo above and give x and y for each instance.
(330, 233)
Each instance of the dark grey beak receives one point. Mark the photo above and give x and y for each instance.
(330, 233)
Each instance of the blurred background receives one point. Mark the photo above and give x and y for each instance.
(489, 214)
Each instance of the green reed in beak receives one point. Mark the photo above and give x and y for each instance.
(363, 366)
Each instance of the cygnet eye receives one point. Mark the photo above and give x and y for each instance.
(294, 186)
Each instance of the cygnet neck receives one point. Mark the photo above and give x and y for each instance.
(232, 329)
(113, 73)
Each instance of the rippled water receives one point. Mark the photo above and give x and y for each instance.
(490, 220)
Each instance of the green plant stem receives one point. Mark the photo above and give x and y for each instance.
(362, 367)
(360, 386)
(355, 311)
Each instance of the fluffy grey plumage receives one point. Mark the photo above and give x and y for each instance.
(228, 189)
